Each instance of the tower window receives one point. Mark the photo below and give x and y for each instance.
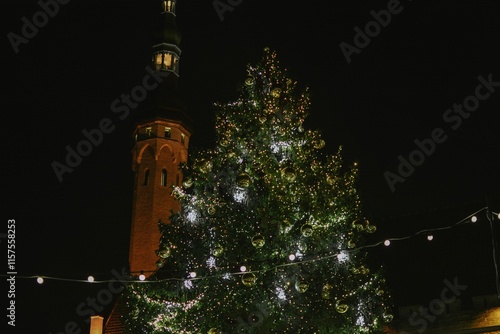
(146, 177)
(168, 132)
(163, 180)
(149, 132)
(168, 6)
(183, 138)
(167, 61)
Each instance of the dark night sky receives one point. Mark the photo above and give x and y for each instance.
(394, 91)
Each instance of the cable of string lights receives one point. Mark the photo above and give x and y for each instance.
(141, 278)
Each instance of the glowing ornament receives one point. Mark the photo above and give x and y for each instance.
(249, 81)
(218, 250)
(351, 244)
(205, 166)
(326, 292)
(357, 225)
(318, 144)
(341, 306)
(160, 263)
(288, 173)
(301, 286)
(258, 241)
(370, 228)
(379, 292)
(248, 279)
(243, 180)
(300, 128)
(330, 180)
(388, 317)
(212, 210)
(306, 230)
(276, 92)
(187, 182)
(262, 119)
(164, 253)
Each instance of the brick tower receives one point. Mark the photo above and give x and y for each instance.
(161, 133)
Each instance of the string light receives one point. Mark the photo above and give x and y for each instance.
(141, 279)
(473, 219)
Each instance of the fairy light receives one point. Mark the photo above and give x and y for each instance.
(291, 257)
(142, 277)
(243, 269)
(227, 276)
(473, 219)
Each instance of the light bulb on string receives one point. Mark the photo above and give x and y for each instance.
(90, 279)
(243, 269)
(291, 257)
(142, 277)
(39, 280)
(387, 242)
(430, 237)
(473, 219)
(192, 274)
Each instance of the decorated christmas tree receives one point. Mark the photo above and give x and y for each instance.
(271, 231)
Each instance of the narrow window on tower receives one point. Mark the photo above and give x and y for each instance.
(168, 6)
(149, 132)
(168, 132)
(183, 138)
(146, 177)
(164, 177)
(167, 61)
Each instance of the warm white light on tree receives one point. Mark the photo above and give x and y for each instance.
(387, 242)
(90, 279)
(473, 219)
(39, 280)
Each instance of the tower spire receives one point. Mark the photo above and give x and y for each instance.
(162, 129)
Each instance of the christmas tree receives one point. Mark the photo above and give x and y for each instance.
(271, 232)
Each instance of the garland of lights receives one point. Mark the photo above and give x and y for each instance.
(472, 218)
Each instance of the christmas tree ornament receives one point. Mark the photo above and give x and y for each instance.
(379, 292)
(248, 279)
(301, 286)
(357, 225)
(319, 144)
(212, 210)
(341, 306)
(164, 253)
(218, 250)
(327, 291)
(213, 331)
(276, 93)
(187, 182)
(371, 228)
(160, 263)
(288, 174)
(262, 119)
(351, 244)
(300, 129)
(306, 230)
(249, 81)
(258, 241)
(243, 180)
(388, 317)
(205, 166)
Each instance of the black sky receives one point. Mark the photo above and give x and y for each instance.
(394, 91)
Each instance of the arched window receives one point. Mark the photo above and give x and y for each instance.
(163, 177)
(146, 177)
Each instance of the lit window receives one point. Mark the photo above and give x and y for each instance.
(146, 177)
(168, 132)
(164, 177)
(149, 132)
(168, 6)
(167, 61)
(183, 138)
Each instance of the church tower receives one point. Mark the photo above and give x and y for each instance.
(162, 130)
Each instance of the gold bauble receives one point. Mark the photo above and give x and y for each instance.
(248, 279)
(326, 293)
(249, 81)
(218, 250)
(243, 180)
(205, 166)
(258, 241)
(160, 263)
(370, 228)
(301, 286)
(276, 92)
(164, 253)
(341, 306)
(288, 173)
(307, 230)
(320, 143)
(388, 317)
(212, 210)
(187, 182)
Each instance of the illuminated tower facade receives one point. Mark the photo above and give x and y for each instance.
(161, 134)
